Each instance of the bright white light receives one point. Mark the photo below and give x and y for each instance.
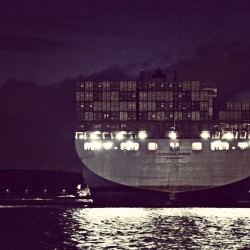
(129, 145)
(95, 135)
(107, 145)
(243, 145)
(142, 135)
(152, 146)
(172, 135)
(205, 134)
(174, 145)
(95, 145)
(219, 145)
(121, 135)
(227, 135)
(197, 146)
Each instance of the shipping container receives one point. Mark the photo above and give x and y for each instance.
(114, 86)
(195, 96)
(106, 106)
(131, 116)
(106, 86)
(223, 115)
(80, 96)
(115, 106)
(88, 96)
(195, 115)
(245, 105)
(143, 96)
(151, 106)
(160, 116)
(143, 106)
(169, 96)
(186, 115)
(151, 96)
(98, 106)
(177, 115)
(132, 86)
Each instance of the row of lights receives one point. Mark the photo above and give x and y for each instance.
(121, 135)
(27, 191)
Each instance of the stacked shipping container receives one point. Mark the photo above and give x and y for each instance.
(144, 101)
(235, 111)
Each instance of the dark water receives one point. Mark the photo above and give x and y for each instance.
(124, 228)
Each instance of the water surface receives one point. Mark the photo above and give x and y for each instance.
(124, 228)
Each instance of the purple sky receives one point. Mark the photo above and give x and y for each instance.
(46, 41)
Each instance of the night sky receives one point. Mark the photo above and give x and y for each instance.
(46, 46)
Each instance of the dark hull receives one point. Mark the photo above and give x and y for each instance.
(108, 194)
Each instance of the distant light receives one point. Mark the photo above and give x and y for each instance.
(172, 135)
(142, 135)
(45, 190)
(7, 190)
(107, 145)
(63, 190)
(205, 135)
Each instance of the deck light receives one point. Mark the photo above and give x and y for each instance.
(172, 135)
(142, 135)
(205, 134)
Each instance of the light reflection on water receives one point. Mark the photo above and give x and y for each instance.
(166, 228)
(56, 228)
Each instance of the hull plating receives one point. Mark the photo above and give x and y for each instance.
(165, 170)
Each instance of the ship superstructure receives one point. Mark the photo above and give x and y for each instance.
(166, 137)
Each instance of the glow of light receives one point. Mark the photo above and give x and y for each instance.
(142, 135)
(197, 146)
(219, 145)
(174, 144)
(81, 136)
(121, 135)
(107, 145)
(96, 145)
(129, 145)
(228, 135)
(243, 145)
(95, 135)
(205, 135)
(172, 135)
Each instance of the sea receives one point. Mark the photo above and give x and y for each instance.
(62, 227)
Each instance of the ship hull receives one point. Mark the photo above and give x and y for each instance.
(166, 178)
(109, 194)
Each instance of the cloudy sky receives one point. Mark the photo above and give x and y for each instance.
(46, 45)
(46, 41)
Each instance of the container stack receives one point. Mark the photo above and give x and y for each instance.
(106, 101)
(235, 111)
(143, 101)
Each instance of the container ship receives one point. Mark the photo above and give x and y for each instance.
(158, 143)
